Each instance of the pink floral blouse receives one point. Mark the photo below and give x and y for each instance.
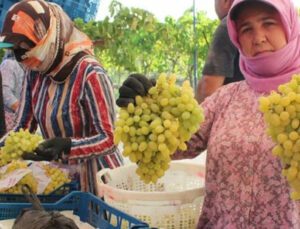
(244, 185)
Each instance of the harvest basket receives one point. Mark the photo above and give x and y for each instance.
(88, 207)
(173, 202)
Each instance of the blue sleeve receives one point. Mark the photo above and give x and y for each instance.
(25, 117)
(8, 83)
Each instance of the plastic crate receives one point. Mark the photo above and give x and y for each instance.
(49, 198)
(88, 207)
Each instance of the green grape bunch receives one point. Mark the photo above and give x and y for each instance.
(282, 116)
(157, 125)
(58, 178)
(17, 143)
(27, 179)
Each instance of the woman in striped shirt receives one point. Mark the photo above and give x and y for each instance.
(66, 93)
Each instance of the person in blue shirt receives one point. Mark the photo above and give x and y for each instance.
(12, 79)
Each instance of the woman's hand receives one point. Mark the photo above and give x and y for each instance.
(49, 150)
(135, 84)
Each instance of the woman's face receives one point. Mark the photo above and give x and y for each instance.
(260, 30)
(21, 48)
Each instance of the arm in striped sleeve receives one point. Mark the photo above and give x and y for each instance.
(101, 109)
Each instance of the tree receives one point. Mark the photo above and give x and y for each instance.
(135, 41)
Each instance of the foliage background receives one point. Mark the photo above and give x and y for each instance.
(133, 40)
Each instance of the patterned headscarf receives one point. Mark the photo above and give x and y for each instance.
(44, 37)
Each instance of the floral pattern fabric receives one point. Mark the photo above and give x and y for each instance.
(244, 185)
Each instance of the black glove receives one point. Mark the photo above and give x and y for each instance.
(135, 84)
(49, 150)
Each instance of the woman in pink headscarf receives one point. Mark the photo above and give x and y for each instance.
(244, 185)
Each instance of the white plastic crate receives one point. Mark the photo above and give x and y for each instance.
(173, 202)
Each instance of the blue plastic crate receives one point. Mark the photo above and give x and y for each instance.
(88, 207)
(49, 198)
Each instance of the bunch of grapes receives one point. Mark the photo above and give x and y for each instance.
(158, 125)
(17, 143)
(282, 115)
(2, 163)
(27, 179)
(58, 178)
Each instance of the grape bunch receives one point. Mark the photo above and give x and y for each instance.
(2, 163)
(157, 125)
(282, 115)
(27, 179)
(58, 178)
(17, 143)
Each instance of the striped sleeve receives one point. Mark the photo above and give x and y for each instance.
(25, 118)
(101, 111)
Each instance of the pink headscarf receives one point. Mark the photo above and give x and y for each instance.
(265, 73)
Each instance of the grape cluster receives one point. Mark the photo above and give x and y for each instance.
(57, 176)
(157, 125)
(27, 179)
(2, 163)
(282, 115)
(17, 143)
